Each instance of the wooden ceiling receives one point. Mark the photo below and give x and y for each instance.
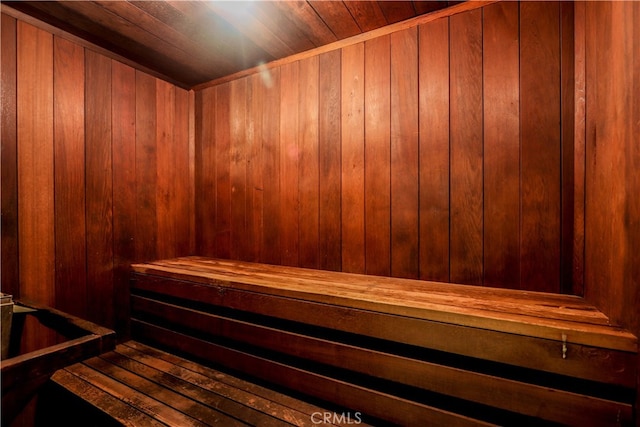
(192, 42)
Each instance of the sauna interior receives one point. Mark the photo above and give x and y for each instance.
(320, 212)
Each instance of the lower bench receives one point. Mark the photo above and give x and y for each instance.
(396, 351)
(137, 385)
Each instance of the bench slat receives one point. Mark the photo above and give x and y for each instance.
(544, 402)
(122, 412)
(277, 404)
(407, 297)
(592, 363)
(366, 401)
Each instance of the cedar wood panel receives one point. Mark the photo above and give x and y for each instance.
(445, 157)
(84, 140)
(36, 244)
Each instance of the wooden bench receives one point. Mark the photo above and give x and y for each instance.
(404, 351)
(137, 385)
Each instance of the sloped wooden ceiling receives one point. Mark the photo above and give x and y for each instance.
(192, 42)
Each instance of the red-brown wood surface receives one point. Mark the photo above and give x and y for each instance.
(146, 161)
(123, 112)
(36, 165)
(612, 154)
(308, 168)
(353, 186)
(86, 173)
(269, 144)
(378, 156)
(255, 191)
(9, 160)
(205, 170)
(222, 213)
(466, 148)
(329, 158)
(540, 151)
(501, 145)
(99, 187)
(418, 153)
(434, 150)
(289, 161)
(69, 181)
(404, 153)
(240, 96)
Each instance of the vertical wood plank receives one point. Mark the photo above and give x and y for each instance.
(329, 135)
(69, 177)
(123, 147)
(166, 175)
(35, 165)
(271, 167)
(501, 146)
(404, 154)
(612, 158)
(191, 129)
(378, 155)
(238, 167)
(146, 167)
(466, 238)
(567, 146)
(9, 160)
(206, 174)
(540, 127)
(352, 176)
(579, 144)
(182, 206)
(255, 186)
(99, 188)
(434, 150)
(289, 160)
(222, 140)
(308, 166)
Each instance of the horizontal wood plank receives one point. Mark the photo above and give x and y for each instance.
(374, 403)
(434, 377)
(540, 315)
(586, 362)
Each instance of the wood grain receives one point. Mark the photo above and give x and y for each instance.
(466, 179)
(404, 154)
(329, 158)
(146, 167)
(540, 151)
(308, 167)
(289, 163)
(377, 156)
(255, 174)
(434, 150)
(123, 137)
(9, 162)
(36, 220)
(352, 174)
(167, 173)
(459, 383)
(205, 170)
(501, 100)
(222, 140)
(99, 188)
(238, 116)
(69, 176)
(270, 140)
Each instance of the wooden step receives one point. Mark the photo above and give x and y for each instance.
(138, 385)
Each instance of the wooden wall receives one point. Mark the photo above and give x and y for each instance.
(612, 70)
(96, 165)
(434, 152)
